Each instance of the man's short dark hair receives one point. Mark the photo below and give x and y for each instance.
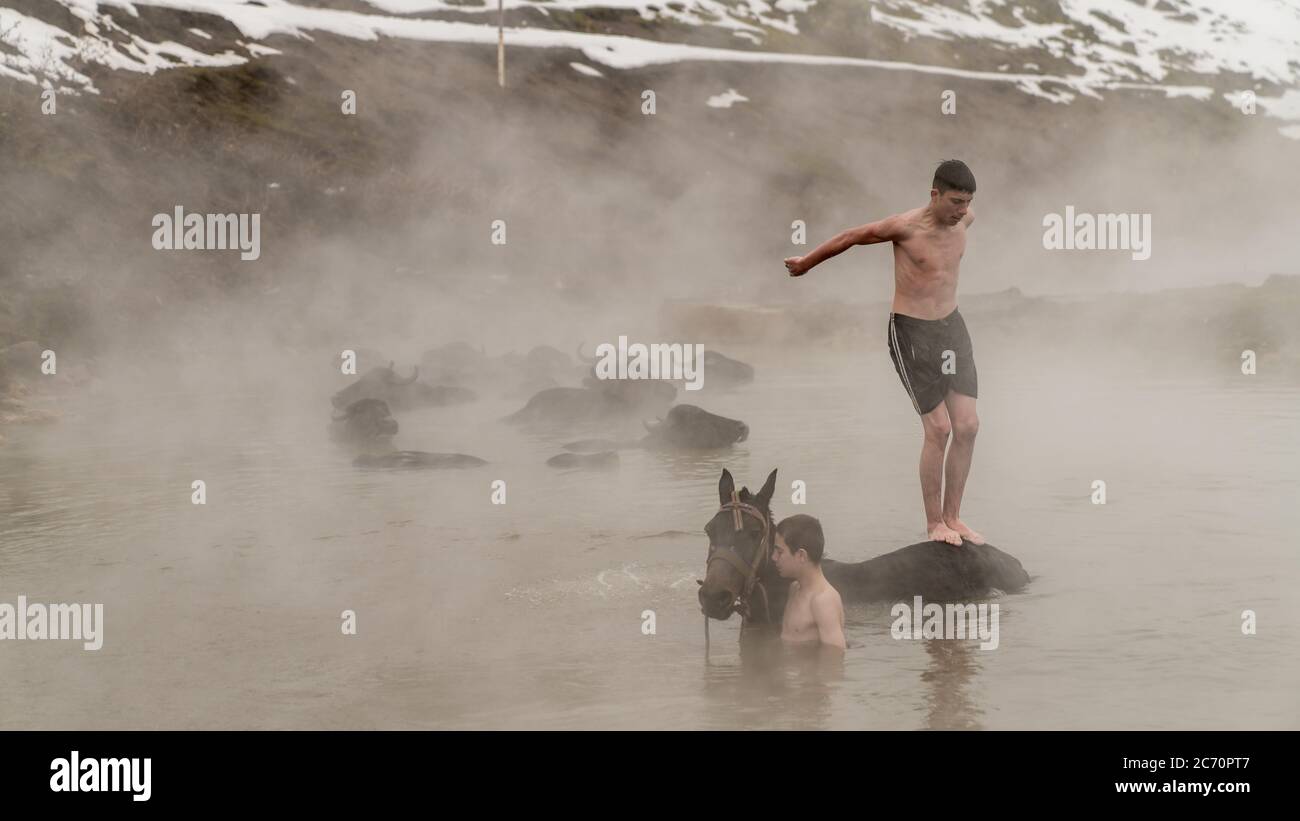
(803, 532)
(953, 175)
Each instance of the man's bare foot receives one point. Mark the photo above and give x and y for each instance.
(942, 533)
(964, 531)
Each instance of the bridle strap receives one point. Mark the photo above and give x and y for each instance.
(748, 571)
(729, 556)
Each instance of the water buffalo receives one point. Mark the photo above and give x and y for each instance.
(691, 427)
(936, 571)
(548, 359)
(686, 427)
(648, 395)
(723, 371)
(599, 461)
(365, 421)
(560, 406)
(642, 393)
(602, 401)
(411, 459)
(384, 384)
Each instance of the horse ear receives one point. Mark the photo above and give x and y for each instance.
(769, 487)
(725, 487)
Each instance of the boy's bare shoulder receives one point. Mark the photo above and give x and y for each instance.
(830, 591)
(828, 594)
(903, 224)
(827, 606)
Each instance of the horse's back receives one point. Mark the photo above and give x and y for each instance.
(935, 571)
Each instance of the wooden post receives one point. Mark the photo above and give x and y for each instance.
(501, 44)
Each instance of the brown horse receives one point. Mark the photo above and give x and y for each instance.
(741, 577)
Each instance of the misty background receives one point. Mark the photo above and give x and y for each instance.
(376, 236)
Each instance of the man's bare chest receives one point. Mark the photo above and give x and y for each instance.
(799, 615)
(934, 252)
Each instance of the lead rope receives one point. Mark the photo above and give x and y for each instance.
(736, 520)
(767, 612)
(735, 512)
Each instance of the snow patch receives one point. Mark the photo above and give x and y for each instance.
(726, 99)
(583, 68)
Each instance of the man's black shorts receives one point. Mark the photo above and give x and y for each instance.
(918, 348)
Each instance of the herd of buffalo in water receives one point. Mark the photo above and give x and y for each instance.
(457, 373)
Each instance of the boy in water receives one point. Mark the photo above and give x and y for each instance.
(813, 612)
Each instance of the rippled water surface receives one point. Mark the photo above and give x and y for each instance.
(529, 614)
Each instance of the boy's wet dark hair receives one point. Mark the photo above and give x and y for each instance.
(953, 175)
(803, 532)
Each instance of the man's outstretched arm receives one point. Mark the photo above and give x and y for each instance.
(885, 230)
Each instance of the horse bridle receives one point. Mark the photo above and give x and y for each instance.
(747, 571)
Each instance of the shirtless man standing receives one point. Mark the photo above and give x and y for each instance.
(928, 340)
(814, 611)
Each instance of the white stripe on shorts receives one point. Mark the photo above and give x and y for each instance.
(898, 352)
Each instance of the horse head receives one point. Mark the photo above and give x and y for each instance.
(739, 567)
